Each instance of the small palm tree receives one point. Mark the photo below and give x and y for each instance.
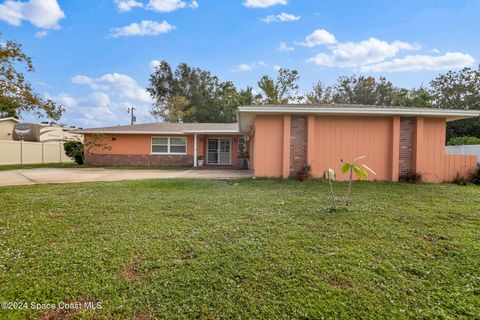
(360, 170)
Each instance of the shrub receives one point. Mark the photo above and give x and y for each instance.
(476, 175)
(74, 150)
(459, 141)
(411, 177)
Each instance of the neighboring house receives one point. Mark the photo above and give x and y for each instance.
(6, 127)
(278, 140)
(44, 133)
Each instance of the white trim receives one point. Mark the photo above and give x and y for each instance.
(158, 132)
(195, 150)
(362, 111)
(10, 118)
(168, 146)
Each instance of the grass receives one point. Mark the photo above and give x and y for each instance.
(74, 165)
(241, 250)
(39, 165)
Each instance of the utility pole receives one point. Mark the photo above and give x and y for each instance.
(133, 119)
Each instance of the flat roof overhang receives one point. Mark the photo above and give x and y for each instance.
(246, 115)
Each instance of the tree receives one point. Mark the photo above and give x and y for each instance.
(319, 94)
(282, 90)
(459, 90)
(17, 95)
(194, 95)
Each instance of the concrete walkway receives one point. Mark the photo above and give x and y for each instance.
(51, 175)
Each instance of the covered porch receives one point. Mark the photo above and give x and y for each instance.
(220, 150)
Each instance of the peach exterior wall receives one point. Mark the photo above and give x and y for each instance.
(268, 146)
(139, 144)
(132, 143)
(332, 138)
(430, 158)
(336, 138)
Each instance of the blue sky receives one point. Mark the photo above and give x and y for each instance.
(95, 56)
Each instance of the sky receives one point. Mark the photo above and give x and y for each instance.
(95, 56)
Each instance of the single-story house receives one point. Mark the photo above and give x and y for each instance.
(278, 140)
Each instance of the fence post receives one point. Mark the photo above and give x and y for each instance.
(60, 148)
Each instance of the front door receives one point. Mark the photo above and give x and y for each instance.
(219, 151)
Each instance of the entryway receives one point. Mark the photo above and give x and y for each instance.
(219, 151)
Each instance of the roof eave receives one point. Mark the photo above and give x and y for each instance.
(161, 132)
(445, 113)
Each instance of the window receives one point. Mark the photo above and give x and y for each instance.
(169, 145)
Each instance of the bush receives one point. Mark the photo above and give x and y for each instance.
(74, 150)
(476, 175)
(414, 177)
(459, 141)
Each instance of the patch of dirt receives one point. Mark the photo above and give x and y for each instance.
(57, 217)
(337, 283)
(311, 229)
(64, 313)
(130, 270)
(426, 238)
(143, 315)
(189, 255)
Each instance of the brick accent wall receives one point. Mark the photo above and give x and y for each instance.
(406, 160)
(298, 144)
(138, 160)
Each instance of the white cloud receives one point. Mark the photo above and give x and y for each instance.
(41, 34)
(283, 47)
(357, 54)
(144, 28)
(64, 99)
(170, 5)
(448, 61)
(435, 50)
(244, 67)
(263, 3)
(127, 5)
(318, 37)
(107, 103)
(122, 85)
(277, 67)
(154, 63)
(41, 13)
(282, 17)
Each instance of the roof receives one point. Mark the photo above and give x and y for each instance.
(246, 117)
(167, 128)
(246, 114)
(10, 119)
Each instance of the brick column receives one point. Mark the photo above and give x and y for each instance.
(418, 145)
(286, 146)
(311, 143)
(395, 148)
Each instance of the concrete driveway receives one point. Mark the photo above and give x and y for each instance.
(51, 175)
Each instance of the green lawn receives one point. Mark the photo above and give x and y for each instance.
(39, 165)
(250, 249)
(74, 165)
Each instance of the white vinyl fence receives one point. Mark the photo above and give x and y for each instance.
(466, 149)
(23, 152)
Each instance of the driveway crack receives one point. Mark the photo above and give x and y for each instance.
(29, 179)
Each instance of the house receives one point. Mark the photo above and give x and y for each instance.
(6, 127)
(278, 140)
